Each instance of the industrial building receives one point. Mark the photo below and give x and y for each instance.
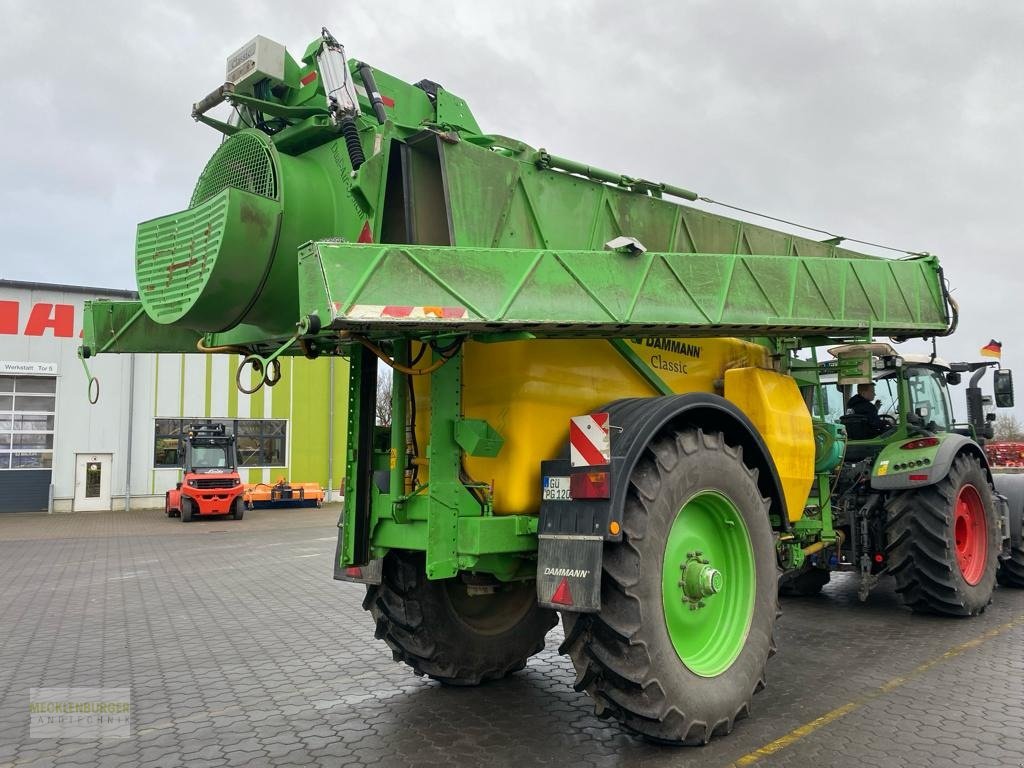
(60, 453)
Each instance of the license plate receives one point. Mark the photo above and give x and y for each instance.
(556, 488)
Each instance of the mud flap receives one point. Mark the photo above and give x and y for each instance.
(361, 574)
(569, 572)
(370, 573)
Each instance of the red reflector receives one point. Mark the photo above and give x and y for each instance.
(365, 234)
(354, 571)
(918, 478)
(308, 78)
(388, 101)
(921, 442)
(562, 595)
(589, 485)
(878, 557)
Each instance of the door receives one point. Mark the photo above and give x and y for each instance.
(92, 481)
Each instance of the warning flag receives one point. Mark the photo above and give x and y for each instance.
(992, 349)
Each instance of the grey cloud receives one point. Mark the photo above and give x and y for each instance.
(897, 123)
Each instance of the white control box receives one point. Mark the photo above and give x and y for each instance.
(258, 59)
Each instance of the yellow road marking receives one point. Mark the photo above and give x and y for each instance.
(807, 728)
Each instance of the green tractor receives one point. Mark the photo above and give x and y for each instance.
(912, 495)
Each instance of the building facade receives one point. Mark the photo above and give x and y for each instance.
(60, 453)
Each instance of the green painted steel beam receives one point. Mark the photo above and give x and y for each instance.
(387, 290)
(123, 326)
(475, 536)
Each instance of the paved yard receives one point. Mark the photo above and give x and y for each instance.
(240, 650)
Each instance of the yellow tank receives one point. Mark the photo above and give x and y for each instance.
(528, 390)
(772, 401)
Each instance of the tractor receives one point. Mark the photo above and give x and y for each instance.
(596, 405)
(912, 494)
(210, 484)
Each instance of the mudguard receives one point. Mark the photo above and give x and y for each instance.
(897, 469)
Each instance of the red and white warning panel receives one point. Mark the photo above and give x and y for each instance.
(589, 441)
(395, 312)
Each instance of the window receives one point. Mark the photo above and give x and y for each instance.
(260, 442)
(928, 399)
(26, 421)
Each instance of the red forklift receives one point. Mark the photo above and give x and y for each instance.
(211, 484)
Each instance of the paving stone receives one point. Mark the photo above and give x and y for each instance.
(241, 651)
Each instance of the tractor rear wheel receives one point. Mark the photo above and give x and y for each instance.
(943, 542)
(1011, 570)
(443, 630)
(689, 597)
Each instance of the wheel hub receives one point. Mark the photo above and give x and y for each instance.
(708, 583)
(970, 534)
(699, 580)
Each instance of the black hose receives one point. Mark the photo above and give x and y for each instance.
(355, 148)
(366, 75)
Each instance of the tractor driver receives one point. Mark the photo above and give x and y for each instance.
(865, 405)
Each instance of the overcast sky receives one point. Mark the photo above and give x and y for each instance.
(896, 122)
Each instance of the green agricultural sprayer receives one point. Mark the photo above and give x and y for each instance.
(602, 398)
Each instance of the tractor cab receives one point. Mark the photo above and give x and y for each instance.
(908, 396)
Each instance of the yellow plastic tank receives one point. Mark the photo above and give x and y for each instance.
(772, 401)
(528, 391)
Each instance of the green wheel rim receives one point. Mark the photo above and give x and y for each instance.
(708, 583)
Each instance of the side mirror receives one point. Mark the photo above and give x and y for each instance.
(1002, 385)
(953, 378)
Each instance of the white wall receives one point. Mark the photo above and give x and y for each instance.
(79, 427)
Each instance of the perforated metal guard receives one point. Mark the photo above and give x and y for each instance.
(244, 162)
(172, 254)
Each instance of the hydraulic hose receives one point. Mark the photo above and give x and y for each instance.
(366, 75)
(355, 148)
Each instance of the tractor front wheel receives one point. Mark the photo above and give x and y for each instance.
(453, 632)
(688, 598)
(943, 542)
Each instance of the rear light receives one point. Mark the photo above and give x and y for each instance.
(590, 485)
(921, 442)
(918, 478)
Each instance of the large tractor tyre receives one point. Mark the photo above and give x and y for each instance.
(688, 598)
(187, 506)
(441, 630)
(807, 583)
(1011, 570)
(943, 542)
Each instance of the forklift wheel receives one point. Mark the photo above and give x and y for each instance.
(185, 513)
(239, 510)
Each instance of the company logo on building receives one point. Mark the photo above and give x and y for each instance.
(58, 319)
